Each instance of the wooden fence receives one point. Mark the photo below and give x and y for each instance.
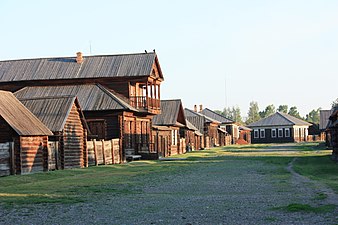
(103, 152)
(5, 159)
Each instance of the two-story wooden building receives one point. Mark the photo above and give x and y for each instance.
(119, 93)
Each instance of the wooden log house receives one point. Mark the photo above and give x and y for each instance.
(64, 117)
(192, 136)
(207, 126)
(23, 138)
(132, 78)
(108, 116)
(166, 127)
(228, 129)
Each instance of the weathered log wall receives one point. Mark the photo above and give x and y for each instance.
(73, 146)
(5, 166)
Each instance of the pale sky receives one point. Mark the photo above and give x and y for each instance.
(269, 51)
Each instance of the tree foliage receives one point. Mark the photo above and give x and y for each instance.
(294, 112)
(313, 116)
(269, 110)
(233, 113)
(253, 113)
(334, 103)
(283, 108)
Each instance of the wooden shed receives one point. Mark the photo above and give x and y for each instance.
(23, 138)
(64, 117)
(167, 126)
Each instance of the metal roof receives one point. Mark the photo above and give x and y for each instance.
(324, 118)
(195, 119)
(92, 97)
(213, 115)
(23, 121)
(279, 119)
(171, 112)
(102, 66)
(52, 111)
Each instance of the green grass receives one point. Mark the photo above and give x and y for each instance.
(296, 207)
(320, 168)
(75, 185)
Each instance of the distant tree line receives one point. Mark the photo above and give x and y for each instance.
(254, 114)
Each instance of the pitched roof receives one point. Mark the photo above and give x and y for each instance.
(195, 119)
(213, 115)
(324, 118)
(52, 111)
(170, 113)
(279, 119)
(92, 97)
(19, 117)
(101, 66)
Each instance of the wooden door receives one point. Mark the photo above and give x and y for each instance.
(98, 128)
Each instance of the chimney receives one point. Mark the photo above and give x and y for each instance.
(79, 58)
(195, 108)
(201, 108)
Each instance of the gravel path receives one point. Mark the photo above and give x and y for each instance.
(209, 192)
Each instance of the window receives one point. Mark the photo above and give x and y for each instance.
(262, 133)
(256, 134)
(287, 132)
(273, 133)
(174, 137)
(280, 132)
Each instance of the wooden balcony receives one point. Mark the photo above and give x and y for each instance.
(148, 104)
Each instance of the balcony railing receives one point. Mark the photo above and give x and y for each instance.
(146, 103)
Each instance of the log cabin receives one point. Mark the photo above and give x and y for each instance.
(64, 117)
(279, 128)
(134, 79)
(227, 126)
(192, 137)
(107, 114)
(206, 125)
(244, 135)
(166, 128)
(23, 138)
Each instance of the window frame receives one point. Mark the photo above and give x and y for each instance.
(256, 133)
(280, 130)
(273, 131)
(262, 133)
(287, 132)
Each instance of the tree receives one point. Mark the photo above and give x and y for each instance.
(313, 116)
(283, 108)
(269, 110)
(236, 112)
(294, 112)
(334, 103)
(233, 113)
(253, 113)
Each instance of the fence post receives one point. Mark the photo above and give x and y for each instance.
(95, 153)
(103, 152)
(112, 151)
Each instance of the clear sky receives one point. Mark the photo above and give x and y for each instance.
(217, 52)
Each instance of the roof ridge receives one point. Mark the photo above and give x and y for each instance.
(48, 97)
(74, 57)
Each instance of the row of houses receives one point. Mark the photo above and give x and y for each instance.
(71, 112)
